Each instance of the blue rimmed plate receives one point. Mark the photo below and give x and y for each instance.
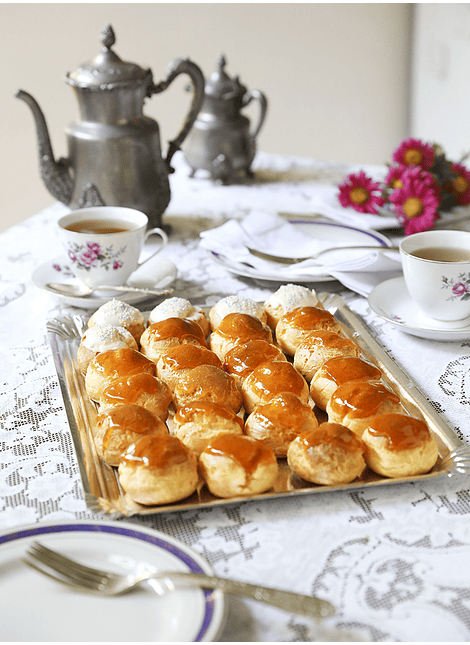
(35, 608)
(327, 232)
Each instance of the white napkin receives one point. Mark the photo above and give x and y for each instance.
(357, 270)
(324, 201)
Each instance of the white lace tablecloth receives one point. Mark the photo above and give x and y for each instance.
(395, 560)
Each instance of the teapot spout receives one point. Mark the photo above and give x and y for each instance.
(55, 174)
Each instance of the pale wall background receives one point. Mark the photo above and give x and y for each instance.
(440, 80)
(337, 76)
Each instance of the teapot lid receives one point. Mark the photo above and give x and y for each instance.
(220, 85)
(107, 71)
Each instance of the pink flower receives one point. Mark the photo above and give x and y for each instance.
(460, 185)
(72, 255)
(417, 174)
(88, 258)
(414, 152)
(94, 247)
(459, 289)
(57, 267)
(416, 202)
(361, 193)
(117, 264)
(393, 178)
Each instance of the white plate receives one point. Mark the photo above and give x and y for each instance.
(35, 608)
(391, 300)
(58, 270)
(337, 234)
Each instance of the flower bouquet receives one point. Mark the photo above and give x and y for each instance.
(421, 182)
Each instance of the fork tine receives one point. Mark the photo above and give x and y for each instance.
(68, 577)
(67, 567)
(60, 558)
(48, 573)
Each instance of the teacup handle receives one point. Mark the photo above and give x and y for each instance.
(164, 242)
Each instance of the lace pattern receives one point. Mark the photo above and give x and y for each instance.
(394, 560)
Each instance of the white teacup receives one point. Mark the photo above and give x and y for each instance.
(436, 266)
(104, 243)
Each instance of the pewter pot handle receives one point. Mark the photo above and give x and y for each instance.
(263, 102)
(177, 67)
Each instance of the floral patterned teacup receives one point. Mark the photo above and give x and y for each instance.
(436, 267)
(104, 243)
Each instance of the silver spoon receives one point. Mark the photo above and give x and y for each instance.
(82, 291)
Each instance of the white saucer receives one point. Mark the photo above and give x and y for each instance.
(58, 270)
(35, 608)
(335, 234)
(391, 301)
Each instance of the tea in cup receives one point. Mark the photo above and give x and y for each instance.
(436, 267)
(104, 243)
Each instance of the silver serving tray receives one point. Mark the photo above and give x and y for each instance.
(100, 481)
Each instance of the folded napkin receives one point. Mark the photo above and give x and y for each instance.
(358, 270)
(324, 201)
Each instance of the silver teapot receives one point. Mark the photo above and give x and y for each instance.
(114, 152)
(220, 142)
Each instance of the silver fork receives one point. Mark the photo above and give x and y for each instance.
(76, 575)
(287, 260)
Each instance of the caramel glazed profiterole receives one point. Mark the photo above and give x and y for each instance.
(189, 400)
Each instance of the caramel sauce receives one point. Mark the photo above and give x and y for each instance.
(176, 328)
(327, 339)
(124, 361)
(332, 434)
(244, 327)
(156, 451)
(285, 409)
(127, 418)
(309, 318)
(130, 388)
(189, 412)
(209, 383)
(361, 399)
(401, 431)
(343, 369)
(275, 377)
(247, 452)
(188, 356)
(133, 418)
(243, 359)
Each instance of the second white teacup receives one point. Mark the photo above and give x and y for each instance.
(436, 267)
(104, 243)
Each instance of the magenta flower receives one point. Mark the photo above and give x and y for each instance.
(459, 289)
(413, 152)
(117, 264)
(72, 255)
(361, 193)
(57, 267)
(460, 185)
(417, 174)
(393, 178)
(416, 202)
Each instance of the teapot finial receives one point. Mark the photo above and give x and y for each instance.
(221, 62)
(108, 37)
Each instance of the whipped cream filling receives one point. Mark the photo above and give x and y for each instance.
(101, 338)
(117, 313)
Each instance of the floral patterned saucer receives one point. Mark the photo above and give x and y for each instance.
(390, 300)
(58, 270)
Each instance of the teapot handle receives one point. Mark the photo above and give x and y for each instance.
(263, 102)
(176, 67)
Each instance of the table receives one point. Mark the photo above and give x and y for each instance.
(395, 560)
